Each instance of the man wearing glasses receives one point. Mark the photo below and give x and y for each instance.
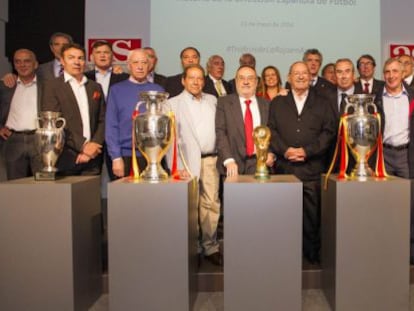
(367, 83)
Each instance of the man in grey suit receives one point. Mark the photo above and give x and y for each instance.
(82, 103)
(194, 113)
(234, 139)
(54, 69)
(19, 108)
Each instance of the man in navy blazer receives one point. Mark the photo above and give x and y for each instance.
(214, 82)
(82, 103)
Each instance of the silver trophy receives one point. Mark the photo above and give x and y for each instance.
(362, 131)
(50, 140)
(153, 134)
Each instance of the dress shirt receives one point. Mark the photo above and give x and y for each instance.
(409, 79)
(203, 119)
(222, 89)
(254, 108)
(23, 108)
(370, 82)
(79, 91)
(150, 77)
(396, 110)
(300, 100)
(339, 92)
(103, 79)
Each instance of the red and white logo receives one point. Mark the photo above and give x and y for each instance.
(120, 47)
(401, 49)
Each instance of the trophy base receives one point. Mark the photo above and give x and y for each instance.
(154, 173)
(361, 172)
(262, 174)
(45, 176)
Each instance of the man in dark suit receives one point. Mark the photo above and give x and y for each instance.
(54, 69)
(395, 101)
(19, 109)
(367, 83)
(313, 59)
(189, 56)
(236, 155)
(82, 103)
(408, 73)
(214, 82)
(302, 130)
(154, 77)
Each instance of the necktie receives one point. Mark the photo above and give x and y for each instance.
(248, 128)
(60, 70)
(366, 88)
(218, 88)
(343, 103)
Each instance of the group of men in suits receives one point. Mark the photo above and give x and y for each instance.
(213, 119)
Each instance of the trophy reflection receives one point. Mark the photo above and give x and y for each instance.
(261, 136)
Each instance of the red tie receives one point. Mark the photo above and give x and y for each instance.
(248, 128)
(366, 88)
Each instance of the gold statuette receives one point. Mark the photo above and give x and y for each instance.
(261, 136)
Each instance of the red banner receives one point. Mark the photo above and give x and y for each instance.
(120, 47)
(401, 49)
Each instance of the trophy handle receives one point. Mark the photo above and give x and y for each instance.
(373, 106)
(347, 106)
(61, 120)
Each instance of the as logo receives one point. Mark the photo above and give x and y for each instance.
(401, 49)
(120, 47)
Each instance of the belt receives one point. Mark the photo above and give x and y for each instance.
(207, 155)
(253, 156)
(400, 147)
(25, 132)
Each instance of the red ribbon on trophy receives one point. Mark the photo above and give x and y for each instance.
(342, 148)
(174, 171)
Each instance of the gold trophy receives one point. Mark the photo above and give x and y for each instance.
(261, 136)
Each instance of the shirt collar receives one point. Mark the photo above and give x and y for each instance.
(131, 78)
(403, 92)
(69, 78)
(192, 97)
(34, 81)
(109, 70)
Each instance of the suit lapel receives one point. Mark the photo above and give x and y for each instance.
(237, 114)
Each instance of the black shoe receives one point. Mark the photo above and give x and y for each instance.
(215, 258)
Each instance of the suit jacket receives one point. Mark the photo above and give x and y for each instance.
(313, 130)
(321, 87)
(46, 71)
(59, 97)
(6, 96)
(380, 106)
(377, 85)
(160, 80)
(230, 137)
(210, 88)
(173, 85)
(187, 132)
(115, 77)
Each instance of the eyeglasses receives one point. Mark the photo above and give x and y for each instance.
(366, 63)
(248, 78)
(300, 73)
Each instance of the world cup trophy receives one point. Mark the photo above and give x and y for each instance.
(261, 136)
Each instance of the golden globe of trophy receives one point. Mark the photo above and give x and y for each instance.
(153, 132)
(261, 136)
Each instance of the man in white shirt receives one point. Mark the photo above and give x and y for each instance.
(19, 107)
(195, 113)
(82, 103)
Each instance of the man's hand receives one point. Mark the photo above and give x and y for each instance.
(9, 80)
(295, 154)
(82, 158)
(118, 167)
(5, 133)
(92, 149)
(232, 169)
(271, 158)
(184, 174)
(117, 69)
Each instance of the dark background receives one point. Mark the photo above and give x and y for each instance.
(32, 22)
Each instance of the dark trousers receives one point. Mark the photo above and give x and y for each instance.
(21, 155)
(67, 166)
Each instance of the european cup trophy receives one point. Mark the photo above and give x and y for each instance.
(153, 134)
(362, 130)
(50, 138)
(261, 136)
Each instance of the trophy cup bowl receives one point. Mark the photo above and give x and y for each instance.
(261, 136)
(362, 131)
(153, 135)
(49, 141)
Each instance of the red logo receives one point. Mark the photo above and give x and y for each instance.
(120, 47)
(401, 49)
